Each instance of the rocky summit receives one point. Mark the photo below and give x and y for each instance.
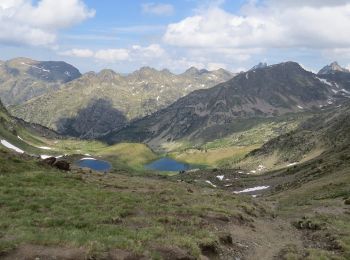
(333, 67)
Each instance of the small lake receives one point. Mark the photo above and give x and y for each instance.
(96, 165)
(168, 165)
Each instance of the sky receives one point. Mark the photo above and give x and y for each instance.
(125, 35)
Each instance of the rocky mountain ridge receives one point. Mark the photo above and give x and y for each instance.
(266, 92)
(113, 98)
(22, 79)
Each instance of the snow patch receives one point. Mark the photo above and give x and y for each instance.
(209, 182)
(11, 146)
(44, 148)
(88, 158)
(20, 138)
(292, 164)
(252, 189)
(220, 177)
(261, 168)
(300, 107)
(344, 90)
(325, 81)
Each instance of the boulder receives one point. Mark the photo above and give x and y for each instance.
(62, 165)
(50, 161)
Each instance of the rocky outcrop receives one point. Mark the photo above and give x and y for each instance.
(59, 164)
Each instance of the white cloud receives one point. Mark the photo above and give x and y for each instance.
(335, 53)
(151, 51)
(298, 3)
(21, 22)
(182, 63)
(158, 9)
(135, 53)
(215, 66)
(265, 26)
(80, 53)
(112, 55)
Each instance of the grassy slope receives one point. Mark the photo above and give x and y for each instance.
(121, 156)
(101, 212)
(246, 136)
(316, 194)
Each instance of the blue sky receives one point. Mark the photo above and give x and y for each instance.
(125, 35)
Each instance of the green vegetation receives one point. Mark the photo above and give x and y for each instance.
(212, 157)
(246, 136)
(42, 206)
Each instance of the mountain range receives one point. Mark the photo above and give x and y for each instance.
(208, 114)
(111, 99)
(158, 106)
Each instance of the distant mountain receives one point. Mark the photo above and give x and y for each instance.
(333, 67)
(261, 65)
(113, 99)
(338, 77)
(207, 114)
(22, 79)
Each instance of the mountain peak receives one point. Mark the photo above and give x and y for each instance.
(334, 66)
(203, 71)
(261, 65)
(191, 71)
(166, 71)
(147, 69)
(107, 72)
(107, 75)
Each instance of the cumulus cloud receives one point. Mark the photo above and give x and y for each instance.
(135, 53)
(112, 55)
(314, 24)
(158, 9)
(298, 3)
(79, 53)
(151, 51)
(22, 22)
(216, 65)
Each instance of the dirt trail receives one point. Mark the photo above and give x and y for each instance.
(30, 252)
(267, 239)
